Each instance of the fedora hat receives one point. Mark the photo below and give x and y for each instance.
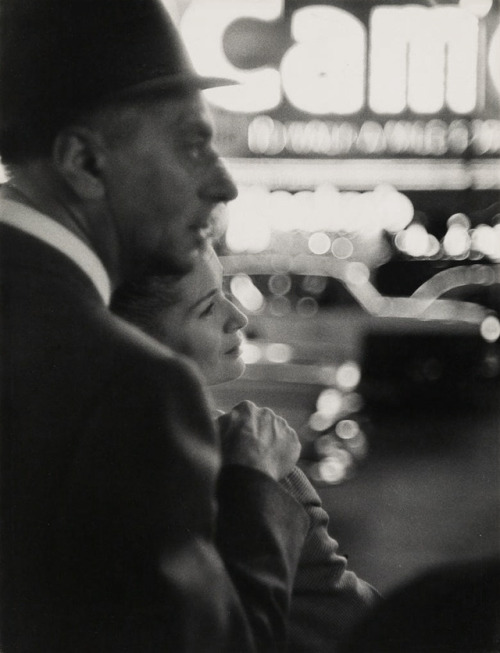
(59, 58)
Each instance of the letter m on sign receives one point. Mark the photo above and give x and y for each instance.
(423, 58)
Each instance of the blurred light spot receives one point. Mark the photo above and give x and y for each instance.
(307, 306)
(248, 228)
(490, 366)
(342, 247)
(313, 285)
(329, 401)
(484, 240)
(320, 422)
(249, 296)
(347, 429)
(319, 243)
(279, 284)
(357, 445)
(399, 240)
(395, 210)
(250, 353)
(281, 210)
(457, 241)
(280, 306)
(414, 240)
(433, 246)
(357, 273)
(334, 468)
(348, 375)
(278, 353)
(458, 220)
(490, 328)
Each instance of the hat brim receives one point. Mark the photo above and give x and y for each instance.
(171, 85)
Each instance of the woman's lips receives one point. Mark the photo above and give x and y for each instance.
(235, 350)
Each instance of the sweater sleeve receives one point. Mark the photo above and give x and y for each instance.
(327, 599)
(260, 535)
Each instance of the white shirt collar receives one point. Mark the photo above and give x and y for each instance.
(54, 234)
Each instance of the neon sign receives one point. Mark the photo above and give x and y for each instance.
(408, 58)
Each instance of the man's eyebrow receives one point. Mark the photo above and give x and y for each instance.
(209, 294)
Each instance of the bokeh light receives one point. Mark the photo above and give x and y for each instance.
(342, 247)
(250, 353)
(244, 290)
(490, 328)
(307, 306)
(329, 402)
(348, 375)
(319, 243)
(457, 241)
(278, 352)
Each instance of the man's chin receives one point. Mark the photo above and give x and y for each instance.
(172, 265)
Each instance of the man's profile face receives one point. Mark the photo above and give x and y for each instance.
(163, 180)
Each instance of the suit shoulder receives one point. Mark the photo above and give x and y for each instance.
(139, 359)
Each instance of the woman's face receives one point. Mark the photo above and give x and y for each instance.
(204, 324)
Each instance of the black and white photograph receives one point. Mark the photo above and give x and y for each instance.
(250, 326)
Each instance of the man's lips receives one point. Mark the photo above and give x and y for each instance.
(208, 221)
(200, 228)
(200, 234)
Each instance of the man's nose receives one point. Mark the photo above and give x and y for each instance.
(219, 186)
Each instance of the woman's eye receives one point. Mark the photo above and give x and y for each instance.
(208, 310)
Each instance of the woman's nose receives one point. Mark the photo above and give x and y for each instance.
(236, 319)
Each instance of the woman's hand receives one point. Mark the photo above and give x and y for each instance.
(258, 438)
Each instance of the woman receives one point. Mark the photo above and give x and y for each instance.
(193, 316)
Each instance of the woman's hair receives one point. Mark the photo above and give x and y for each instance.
(142, 301)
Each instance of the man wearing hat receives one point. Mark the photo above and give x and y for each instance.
(110, 469)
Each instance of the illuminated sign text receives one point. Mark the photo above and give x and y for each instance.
(420, 59)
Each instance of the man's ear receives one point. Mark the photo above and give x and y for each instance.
(78, 157)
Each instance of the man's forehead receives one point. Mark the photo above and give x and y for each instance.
(184, 111)
(190, 109)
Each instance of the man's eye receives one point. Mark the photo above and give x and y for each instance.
(197, 149)
(208, 310)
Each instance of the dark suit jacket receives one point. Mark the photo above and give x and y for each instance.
(109, 472)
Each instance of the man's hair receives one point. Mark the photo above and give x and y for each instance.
(30, 140)
(25, 141)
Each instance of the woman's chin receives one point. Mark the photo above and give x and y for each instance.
(227, 372)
